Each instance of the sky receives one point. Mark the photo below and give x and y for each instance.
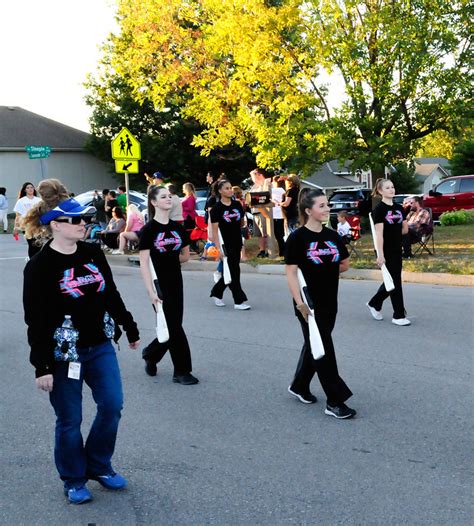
(47, 48)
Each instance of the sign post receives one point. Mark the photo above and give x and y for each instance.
(39, 152)
(126, 151)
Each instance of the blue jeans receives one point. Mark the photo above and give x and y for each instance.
(75, 461)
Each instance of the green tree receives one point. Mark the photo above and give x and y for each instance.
(403, 178)
(166, 138)
(462, 162)
(249, 72)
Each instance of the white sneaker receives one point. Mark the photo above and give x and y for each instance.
(118, 252)
(217, 276)
(242, 306)
(219, 303)
(376, 314)
(401, 321)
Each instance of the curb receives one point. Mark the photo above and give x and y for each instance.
(435, 278)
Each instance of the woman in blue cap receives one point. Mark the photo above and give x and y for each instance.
(70, 338)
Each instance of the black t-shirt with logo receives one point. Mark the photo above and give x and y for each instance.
(291, 211)
(164, 242)
(79, 285)
(318, 255)
(229, 218)
(392, 218)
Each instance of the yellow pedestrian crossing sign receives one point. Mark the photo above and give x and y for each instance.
(123, 166)
(125, 147)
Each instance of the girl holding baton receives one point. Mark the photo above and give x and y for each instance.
(227, 217)
(320, 254)
(71, 307)
(167, 244)
(390, 225)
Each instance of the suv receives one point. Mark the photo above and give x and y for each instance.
(354, 202)
(452, 193)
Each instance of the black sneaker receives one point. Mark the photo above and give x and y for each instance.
(185, 379)
(340, 411)
(305, 397)
(150, 368)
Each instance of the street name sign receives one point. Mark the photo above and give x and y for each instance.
(38, 152)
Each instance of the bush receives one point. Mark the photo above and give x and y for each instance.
(457, 217)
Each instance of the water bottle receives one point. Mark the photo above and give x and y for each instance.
(109, 326)
(66, 337)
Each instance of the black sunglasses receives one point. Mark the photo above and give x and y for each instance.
(76, 220)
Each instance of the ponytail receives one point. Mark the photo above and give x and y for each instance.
(306, 200)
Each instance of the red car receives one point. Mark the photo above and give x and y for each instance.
(452, 193)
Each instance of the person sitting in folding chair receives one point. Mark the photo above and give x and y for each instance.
(420, 225)
(354, 234)
(348, 227)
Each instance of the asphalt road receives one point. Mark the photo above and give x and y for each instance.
(236, 449)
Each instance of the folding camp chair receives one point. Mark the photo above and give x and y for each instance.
(354, 222)
(427, 238)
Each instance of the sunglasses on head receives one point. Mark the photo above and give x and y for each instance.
(76, 220)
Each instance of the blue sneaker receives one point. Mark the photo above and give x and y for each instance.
(111, 481)
(78, 495)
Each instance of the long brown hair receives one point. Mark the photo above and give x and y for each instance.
(153, 192)
(306, 200)
(52, 192)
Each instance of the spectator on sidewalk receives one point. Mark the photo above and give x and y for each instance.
(110, 204)
(343, 227)
(122, 197)
(134, 224)
(3, 209)
(290, 204)
(419, 224)
(99, 203)
(114, 228)
(176, 212)
(278, 196)
(261, 214)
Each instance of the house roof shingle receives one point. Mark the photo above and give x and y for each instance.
(325, 178)
(20, 128)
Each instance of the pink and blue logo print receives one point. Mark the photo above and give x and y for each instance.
(166, 244)
(394, 217)
(229, 215)
(72, 286)
(315, 252)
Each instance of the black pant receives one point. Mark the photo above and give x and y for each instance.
(394, 266)
(279, 230)
(233, 258)
(111, 240)
(408, 240)
(177, 345)
(333, 385)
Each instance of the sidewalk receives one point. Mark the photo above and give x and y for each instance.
(449, 280)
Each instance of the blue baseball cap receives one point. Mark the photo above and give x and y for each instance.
(157, 175)
(68, 208)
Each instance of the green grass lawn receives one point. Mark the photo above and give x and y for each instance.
(454, 252)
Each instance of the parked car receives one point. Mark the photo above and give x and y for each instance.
(137, 198)
(399, 199)
(356, 202)
(452, 193)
